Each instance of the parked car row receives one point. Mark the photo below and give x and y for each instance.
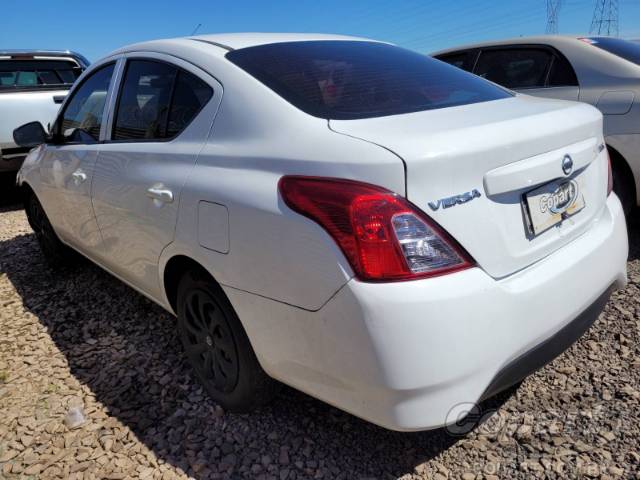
(33, 84)
(388, 233)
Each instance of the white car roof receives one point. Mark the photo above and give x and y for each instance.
(251, 39)
(234, 41)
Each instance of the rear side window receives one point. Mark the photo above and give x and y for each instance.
(515, 67)
(84, 111)
(189, 96)
(37, 74)
(562, 73)
(345, 80)
(157, 101)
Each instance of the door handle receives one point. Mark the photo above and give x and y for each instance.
(78, 177)
(163, 195)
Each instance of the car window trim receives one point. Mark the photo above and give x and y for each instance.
(72, 93)
(116, 104)
(552, 63)
(560, 57)
(476, 53)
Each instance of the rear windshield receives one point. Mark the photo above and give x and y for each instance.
(35, 74)
(629, 50)
(345, 80)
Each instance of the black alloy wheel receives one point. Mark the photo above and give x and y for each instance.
(208, 341)
(217, 346)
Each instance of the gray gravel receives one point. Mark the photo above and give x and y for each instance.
(93, 385)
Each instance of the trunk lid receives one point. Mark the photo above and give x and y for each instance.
(501, 149)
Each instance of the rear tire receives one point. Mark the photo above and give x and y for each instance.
(56, 253)
(218, 348)
(623, 185)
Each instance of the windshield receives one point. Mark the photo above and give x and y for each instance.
(28, 74)
(629, 50)
(345, 80)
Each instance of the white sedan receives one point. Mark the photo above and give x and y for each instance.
(383, 231)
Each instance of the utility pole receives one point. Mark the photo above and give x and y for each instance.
(553, 8)
(605, 18)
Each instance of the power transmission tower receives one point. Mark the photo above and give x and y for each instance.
(553, 7)
(605, 18)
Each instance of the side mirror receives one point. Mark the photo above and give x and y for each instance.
(30, 135)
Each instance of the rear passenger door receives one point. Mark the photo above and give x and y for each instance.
(535, 70)
(159, 122)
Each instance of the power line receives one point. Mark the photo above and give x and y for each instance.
(605, 18)
(553, 8)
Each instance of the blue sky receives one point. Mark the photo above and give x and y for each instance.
(95, 28)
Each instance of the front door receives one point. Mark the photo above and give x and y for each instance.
(67, 166)
(162, 118)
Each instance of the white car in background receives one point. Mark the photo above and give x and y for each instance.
(33, 84)
(383, 231)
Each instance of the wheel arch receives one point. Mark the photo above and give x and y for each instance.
(618, 161)
(25, 190)
(174, 270)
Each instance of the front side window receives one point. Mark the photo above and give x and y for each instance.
(515, 67)
(157, 101)
(37, 74)
(84, 112)
(346, 80)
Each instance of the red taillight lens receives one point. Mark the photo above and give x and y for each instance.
(609, 176)
(383, 236)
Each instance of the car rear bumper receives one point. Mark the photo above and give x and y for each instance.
(406, 355)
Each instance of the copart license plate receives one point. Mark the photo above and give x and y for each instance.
(549, 204)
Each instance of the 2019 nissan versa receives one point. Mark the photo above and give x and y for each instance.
(379, 229)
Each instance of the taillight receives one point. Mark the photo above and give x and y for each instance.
(382, 235)
(609, 176)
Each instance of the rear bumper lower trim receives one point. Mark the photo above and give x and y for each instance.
(548, 350)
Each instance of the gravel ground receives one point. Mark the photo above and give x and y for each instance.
(93, 385)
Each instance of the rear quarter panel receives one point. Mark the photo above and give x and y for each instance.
(272, 251)
(257, 138)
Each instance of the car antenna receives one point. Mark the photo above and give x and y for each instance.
(196, 29)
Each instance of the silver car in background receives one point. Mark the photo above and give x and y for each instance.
(602, 71)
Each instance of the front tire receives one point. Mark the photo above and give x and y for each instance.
(56, 253)
(218, 348)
